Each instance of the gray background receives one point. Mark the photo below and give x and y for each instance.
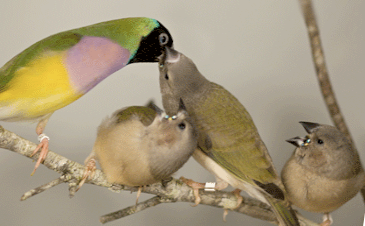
(258, 50)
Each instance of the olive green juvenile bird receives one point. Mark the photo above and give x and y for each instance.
(229, 145)
(324, 171)
(138, 146)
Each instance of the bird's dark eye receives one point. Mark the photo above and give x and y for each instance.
(163, 39)
(182, 126)
(319, 141)
(166, 76)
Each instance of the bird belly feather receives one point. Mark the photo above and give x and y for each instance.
(315, 193)
(119, 152)
(39, 88)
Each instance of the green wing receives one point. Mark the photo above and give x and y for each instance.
(230, 137)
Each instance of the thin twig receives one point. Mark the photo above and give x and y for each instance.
(42, 188)
(131, 210)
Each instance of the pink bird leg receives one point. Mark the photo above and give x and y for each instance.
(43, 142)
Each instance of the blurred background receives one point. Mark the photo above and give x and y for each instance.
(258, 50)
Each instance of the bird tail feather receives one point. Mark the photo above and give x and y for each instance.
(284, 213)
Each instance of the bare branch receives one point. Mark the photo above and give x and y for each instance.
(42, 188)
(322, 74)
(171, 191)
(131, 210)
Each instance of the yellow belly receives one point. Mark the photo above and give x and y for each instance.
(40, 88)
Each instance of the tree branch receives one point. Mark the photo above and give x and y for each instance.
(322, 74)
(172, 191)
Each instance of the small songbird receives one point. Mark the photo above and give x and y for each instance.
(59, 69)
(138, 146)
(324, 171)
(229, 145)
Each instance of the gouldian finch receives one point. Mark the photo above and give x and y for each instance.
(138, 145)
(324, 171)
(229, 145)
(59, 69)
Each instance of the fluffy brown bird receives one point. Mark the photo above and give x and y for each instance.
(324, 171)
(138, 145)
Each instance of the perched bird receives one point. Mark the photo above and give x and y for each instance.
(58, 70)
(229, 145)
(324, 171)
(138, 146)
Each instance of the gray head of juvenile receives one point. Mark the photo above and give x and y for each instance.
(326, 151)
(172, 140)
(179, 78)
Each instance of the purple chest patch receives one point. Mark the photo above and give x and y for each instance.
(92, 60)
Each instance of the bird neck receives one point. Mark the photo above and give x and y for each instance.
(191, 93)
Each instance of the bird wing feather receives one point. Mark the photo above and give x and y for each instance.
(230, 137)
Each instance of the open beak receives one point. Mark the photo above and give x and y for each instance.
(297, 141)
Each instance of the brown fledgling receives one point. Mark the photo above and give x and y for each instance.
(138, 145)
(324, 171)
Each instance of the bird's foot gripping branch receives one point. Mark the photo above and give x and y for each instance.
(173, 191)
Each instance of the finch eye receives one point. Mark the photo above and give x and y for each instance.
(182, 126)
(163, 39)
(319, 141)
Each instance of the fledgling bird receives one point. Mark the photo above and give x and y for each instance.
(324, 171)
(139, 146)
(59, 69)
(229, 145)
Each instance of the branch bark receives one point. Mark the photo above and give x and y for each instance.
(322, 73)
(171, 191)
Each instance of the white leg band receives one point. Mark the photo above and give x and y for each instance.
(209, 186)
(42, 136)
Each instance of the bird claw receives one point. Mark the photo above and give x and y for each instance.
(327, 220)
(197, 197)
(225, 213)
(195, 186)
(326, 223)
(236, 193)
(139, 191)
(89, 171)
(43, 148)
